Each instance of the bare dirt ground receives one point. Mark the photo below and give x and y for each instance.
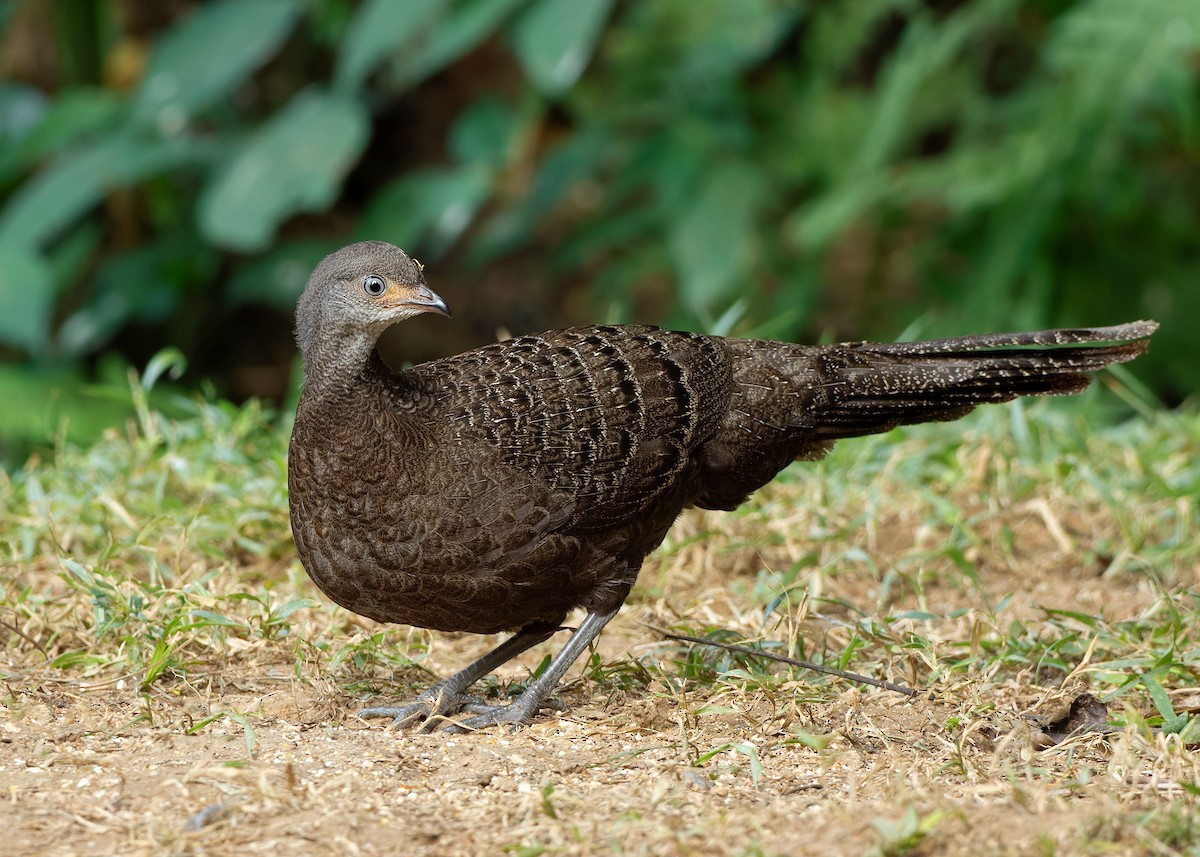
(657, 764)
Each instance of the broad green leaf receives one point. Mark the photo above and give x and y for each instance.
(470, 22)
(53, 199)
(381, 28)
(712, 239)
(555, 39)
(208, 54)
(483, 133)
(72, 114)
(26, 297)
(428, 209)
(277, 278)
(295, 162)
(142, 284)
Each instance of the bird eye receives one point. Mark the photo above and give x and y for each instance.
(374, 286)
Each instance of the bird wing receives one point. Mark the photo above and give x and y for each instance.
(611, 415)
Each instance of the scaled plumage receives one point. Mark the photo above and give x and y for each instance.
(502, 488)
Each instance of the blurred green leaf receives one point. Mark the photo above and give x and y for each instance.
(70, 256)
(926, 49)
(1010, 252)
(1111, 59)
(673, 163)
(483, 133)
(72, 114)
(169, 362)
(576, 160)
(381, 28)
(27, 291)
(144, 284)
(52, 200)
(21, 110)
(1120, 54)
(815, 224)
(41, 401)
(705, 46)
(715, 165)
(277, 278)
(554, 40)
(429, 209)
(713, 236)
(295, 162)
(468, 24)
(841, 32)
(209, 53)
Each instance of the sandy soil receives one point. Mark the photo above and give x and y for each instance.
(640, 760)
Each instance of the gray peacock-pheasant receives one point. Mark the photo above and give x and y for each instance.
(503, 488)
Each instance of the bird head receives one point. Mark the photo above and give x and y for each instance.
(355, 294)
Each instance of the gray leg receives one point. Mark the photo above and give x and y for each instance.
(523, 709)
(446, 697)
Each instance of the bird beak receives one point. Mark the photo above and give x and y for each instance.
(425, 300)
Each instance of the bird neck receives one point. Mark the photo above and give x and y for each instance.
(335, 367)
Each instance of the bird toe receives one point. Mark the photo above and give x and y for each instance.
(429, 709)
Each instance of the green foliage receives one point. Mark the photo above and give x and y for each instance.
(753, 166)
(554, 40)
(116, 520)
(292, 163)
(905, 834)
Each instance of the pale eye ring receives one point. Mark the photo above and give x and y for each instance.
(374, 286)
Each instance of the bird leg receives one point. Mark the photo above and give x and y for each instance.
(446, 697)
(523, 709)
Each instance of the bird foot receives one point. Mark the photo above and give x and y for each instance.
(437, 710)
(435, 706)
(513, 714)
(438, 705)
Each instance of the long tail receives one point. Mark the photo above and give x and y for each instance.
(881, 385)
(792, 401)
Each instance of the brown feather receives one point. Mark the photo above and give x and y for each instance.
(506, 486)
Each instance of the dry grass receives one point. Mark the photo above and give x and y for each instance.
(173, 684)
